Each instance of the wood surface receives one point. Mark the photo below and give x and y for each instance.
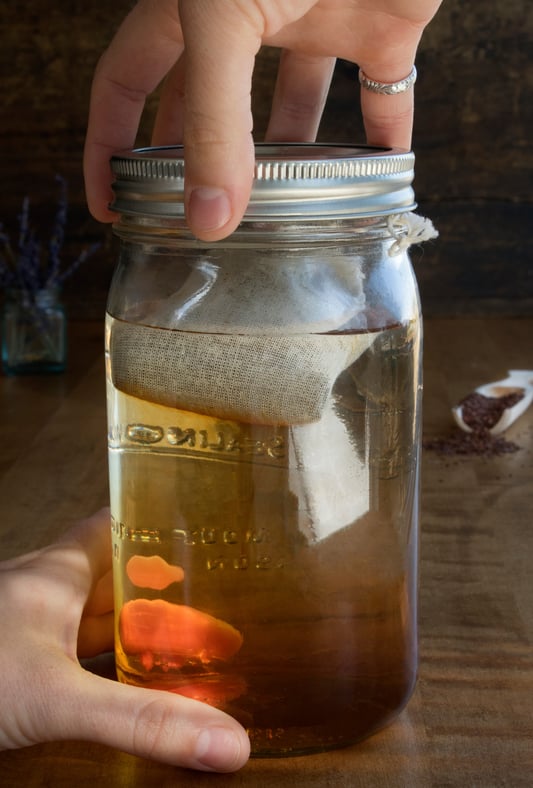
(470, 721)
(474, 113)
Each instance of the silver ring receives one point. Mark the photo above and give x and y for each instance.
(388, 88)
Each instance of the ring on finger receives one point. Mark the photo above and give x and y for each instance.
(388, 88)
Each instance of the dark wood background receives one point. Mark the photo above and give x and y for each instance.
(472, 140)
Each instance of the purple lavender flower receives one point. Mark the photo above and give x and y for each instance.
(58, 233)
(33, 266)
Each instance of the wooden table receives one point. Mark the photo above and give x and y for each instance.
(470, 721)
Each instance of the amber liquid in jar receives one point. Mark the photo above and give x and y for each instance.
(227, 587)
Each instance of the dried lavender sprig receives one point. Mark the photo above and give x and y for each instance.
(29, 269)
(24, 223)
(82, 257)
(28, 260)
(58, 232)
(29, 265)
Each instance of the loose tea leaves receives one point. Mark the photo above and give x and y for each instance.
(482, 444)
(480, 413)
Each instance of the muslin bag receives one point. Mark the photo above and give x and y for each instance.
(257, 343)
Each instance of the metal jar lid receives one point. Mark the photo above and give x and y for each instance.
(291, 181)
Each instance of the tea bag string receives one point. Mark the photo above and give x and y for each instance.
(408, 229)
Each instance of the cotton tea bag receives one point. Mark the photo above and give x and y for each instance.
(250, 343)
(247, 342)
(329, 480)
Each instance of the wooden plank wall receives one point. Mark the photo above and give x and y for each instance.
(472, 140)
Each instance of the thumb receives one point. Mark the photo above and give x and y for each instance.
(150, 723)
(221, 43)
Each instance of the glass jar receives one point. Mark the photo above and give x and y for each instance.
(264, 428)
(34, 337)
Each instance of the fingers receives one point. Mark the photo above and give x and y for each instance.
(299, 97)
(149, 723)
(206, 98)
(84, 553)
(49, 587)
(220, 44)
(145, 48)
(101, 598)
(50, 697)
(95, 635)
(388, 120)
(92, 539)
(393, 40)
(168, 126)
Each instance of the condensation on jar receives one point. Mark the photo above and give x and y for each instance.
(264, 431)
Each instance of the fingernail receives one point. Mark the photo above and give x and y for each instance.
(209, 208)
(220, 750)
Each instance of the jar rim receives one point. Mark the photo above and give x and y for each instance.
(291, 181)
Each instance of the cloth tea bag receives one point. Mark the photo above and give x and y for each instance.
(329, 480)
(246, 343)
(250, 343)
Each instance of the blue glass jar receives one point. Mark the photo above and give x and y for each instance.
(33, 332)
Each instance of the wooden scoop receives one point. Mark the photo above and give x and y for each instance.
(519, 382)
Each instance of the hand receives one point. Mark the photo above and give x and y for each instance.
(208, 48)
(57, 605)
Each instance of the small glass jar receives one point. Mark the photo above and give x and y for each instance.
(264, 429)
(33, 332)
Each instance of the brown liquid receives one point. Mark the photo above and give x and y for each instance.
(307, 639)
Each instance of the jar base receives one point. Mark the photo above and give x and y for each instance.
(296, 721)
(47, 368)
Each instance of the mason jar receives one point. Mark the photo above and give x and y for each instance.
(264, 431)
